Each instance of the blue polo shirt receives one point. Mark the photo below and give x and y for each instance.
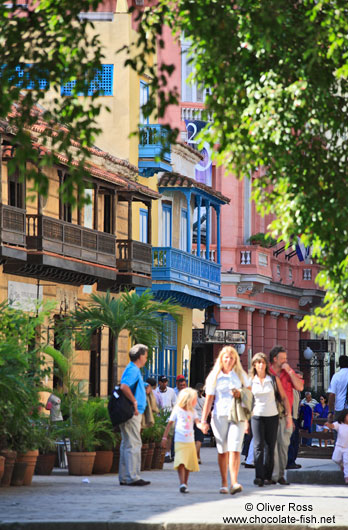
(131, 375)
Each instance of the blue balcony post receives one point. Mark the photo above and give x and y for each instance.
(207, 243)
(218, 236)
(199, 203)
(188, 232)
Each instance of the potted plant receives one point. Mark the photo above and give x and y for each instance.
(85, 433)
(46, 440)
(107, 440)
(263, 240)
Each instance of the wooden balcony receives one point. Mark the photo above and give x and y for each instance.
(67, 253)
(12, 236)
(134, 265)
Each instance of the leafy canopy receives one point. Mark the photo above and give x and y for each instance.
(51, 46)
(277, 71)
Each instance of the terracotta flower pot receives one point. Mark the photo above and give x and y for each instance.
(81, 463)
(144, 449)
(18, 475)
(2, 467)
(149, 456)
(103, 462)
(30, 458)
(45, 464)
(10, 458)
(115, 460)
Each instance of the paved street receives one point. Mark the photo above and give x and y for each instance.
(67, 499)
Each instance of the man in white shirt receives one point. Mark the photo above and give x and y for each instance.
(338, 389)
(168, 399)
(166, 393)
(308, 400)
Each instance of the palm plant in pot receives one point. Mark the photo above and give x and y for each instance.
(85, 434)
(46, 442)
(107, 439)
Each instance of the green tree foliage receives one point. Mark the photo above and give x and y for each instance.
(49, 43)
(22, 371)
(136, 313)
(277, 71)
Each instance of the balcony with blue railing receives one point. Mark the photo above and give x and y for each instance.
(189, 280)
(154, 151)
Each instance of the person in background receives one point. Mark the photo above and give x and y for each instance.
(321, 410)
(148, 419)
(199, 436)
(340, 454)
(180, 384)
(53, 405)
(132, 386)
(166, 394)
(306, 418)
(308, 400)
(279, 366)
(295, 437)
(168, 399)
(338, 390)
(152, 382)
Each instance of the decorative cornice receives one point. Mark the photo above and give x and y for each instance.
(286, 315)
(249, 309)
(231, 307)
(263, 312)
(274, 314)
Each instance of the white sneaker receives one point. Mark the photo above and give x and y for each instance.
(183, 488)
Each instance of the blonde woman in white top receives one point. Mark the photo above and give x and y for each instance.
(223, 383)
(265, 417)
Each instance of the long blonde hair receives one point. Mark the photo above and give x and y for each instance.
(186, 398)
(237, 365)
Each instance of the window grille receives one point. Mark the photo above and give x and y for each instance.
(103, 81)
(23, 79)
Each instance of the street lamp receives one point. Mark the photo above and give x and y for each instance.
(210, 326)
(308, 353)
(240, 348)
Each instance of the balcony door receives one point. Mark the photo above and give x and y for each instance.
(16, 191)
(166, 225)
(143, 225)
(183, 231)
(164, 357)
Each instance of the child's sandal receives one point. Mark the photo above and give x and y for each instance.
(223, 490)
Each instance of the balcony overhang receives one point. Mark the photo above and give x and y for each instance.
(184, 296)
(59, 269)
(149, 167)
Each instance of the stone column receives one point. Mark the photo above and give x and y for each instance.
(283, 330)
(271, 335)
(259, 330)
(293, 341)
(246, 322)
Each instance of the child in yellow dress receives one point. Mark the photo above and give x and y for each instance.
(184, 416)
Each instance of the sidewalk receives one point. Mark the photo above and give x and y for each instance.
(70, 504)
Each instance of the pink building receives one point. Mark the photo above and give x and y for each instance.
(265, 292)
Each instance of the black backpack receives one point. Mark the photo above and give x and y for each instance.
(121, 409)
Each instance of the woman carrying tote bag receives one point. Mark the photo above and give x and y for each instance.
(224, 383)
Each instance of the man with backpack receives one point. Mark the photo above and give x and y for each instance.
(132, 386)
